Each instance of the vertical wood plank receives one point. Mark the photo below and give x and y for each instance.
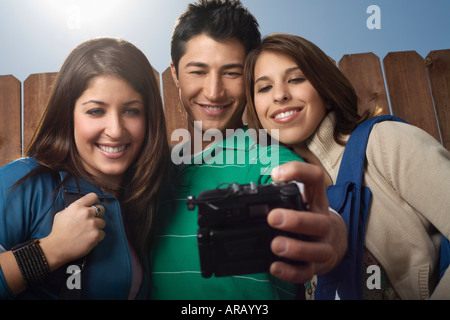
(10, 119)
(175, 114)
(36, 91)
(409, 90)
(438, 67)
(364, 72)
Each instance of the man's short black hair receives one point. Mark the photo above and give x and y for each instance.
(218, 19)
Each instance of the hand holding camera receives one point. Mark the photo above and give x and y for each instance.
(234, 236)
(325, 230)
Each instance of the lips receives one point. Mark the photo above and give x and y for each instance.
(214, 109)
(286, 114)
(112, 150)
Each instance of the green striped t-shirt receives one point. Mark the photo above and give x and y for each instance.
(176, 272)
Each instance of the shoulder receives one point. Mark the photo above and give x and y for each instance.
(395, 135)
(25, 206)
(18, 168)
(11, 173)
(403, 149)
(20, 164)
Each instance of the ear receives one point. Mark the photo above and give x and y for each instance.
(174, 74)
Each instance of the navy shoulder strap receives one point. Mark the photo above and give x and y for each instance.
(445, 256)
(351, 201)
(354, 157)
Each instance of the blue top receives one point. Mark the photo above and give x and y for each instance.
(27, 212)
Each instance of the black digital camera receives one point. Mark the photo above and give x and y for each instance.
(234, 236)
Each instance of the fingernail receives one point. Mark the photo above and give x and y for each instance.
(276, 269)
(280, 246)
(277, 219)
(276, 173)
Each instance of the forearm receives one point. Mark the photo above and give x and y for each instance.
(43, 263)
(11, 274)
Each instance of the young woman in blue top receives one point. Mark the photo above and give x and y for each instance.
(102, 139)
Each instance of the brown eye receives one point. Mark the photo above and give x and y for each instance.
(96, 112)
(297, 80)
(264, 89)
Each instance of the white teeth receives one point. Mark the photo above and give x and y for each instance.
(112, 149)
(213, 108)
(285, 114)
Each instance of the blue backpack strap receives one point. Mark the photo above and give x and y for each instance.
(351, 201)
(445, 256)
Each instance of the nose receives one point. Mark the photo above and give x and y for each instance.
(213, 87)
(114, 127)
(281, 94)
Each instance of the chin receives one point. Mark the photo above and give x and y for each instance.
(113, 171)
(208, 125)
(289, 140)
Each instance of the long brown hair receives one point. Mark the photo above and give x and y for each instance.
(53, 144)
(331, 84)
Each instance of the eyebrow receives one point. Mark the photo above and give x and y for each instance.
(131, 102)
(94, 101)
(204, 65)
(263, 78)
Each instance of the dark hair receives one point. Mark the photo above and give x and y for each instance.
(53, 145)
(218, 19)
(331, 84)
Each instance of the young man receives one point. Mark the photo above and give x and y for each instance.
(209, 45)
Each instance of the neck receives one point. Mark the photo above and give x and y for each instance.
(110, 187)
(309, 157)
(198, 137)
(200, 141)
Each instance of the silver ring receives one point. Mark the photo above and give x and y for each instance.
(98, 211)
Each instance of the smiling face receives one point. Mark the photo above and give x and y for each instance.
(284, 99)
(109, 128)
(210, 79)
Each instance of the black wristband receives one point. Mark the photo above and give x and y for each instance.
(32, 262)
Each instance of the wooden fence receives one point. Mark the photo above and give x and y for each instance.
(418, 90)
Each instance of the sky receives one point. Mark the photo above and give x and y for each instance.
(37, 35)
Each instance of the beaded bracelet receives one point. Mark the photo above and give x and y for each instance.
(32, 262)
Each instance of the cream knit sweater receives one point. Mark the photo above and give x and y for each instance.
(408, 172)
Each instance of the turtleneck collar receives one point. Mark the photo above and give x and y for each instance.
(326, 150)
